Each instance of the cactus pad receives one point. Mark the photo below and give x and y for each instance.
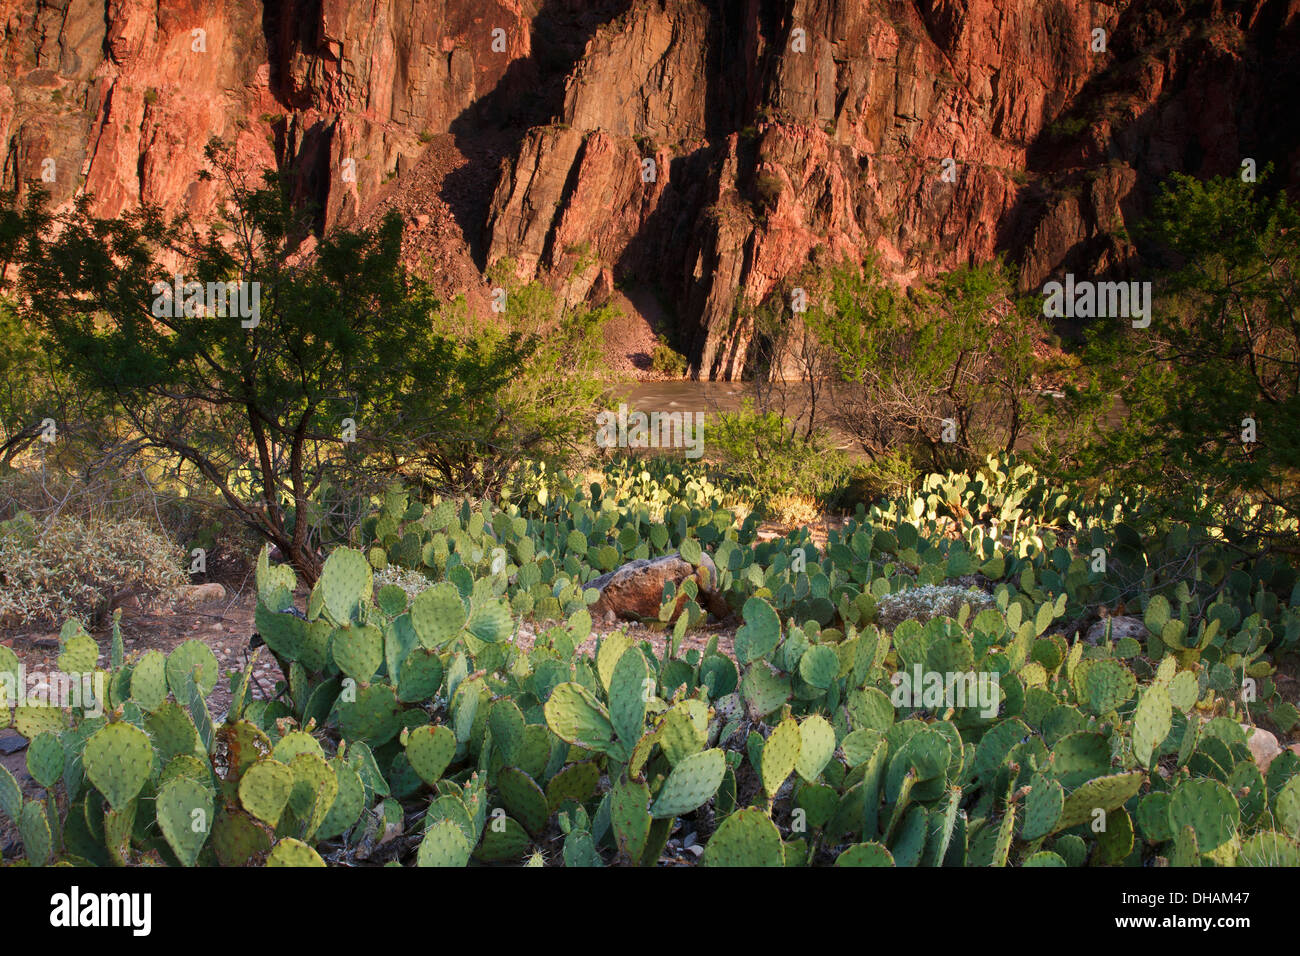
(118, 759)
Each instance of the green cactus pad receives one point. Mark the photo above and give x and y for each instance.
(346, 582)
(1044, 858)
(118, 759)
(11, 797)
(865, 854)
(746, 838)
(237, 838)
(503, 839)
(490, 620)
(692, 783)
(358, 651)
(628, 697)
(374, 717)
(819, 666)
(430, 750)
(438, 614)
(192, 659)
(870, 709)
(291, 852)
(314, 788)
(576, 782)
(265, 788)
(758, 636)
(1151, 724)
(1209, 808)
(184, 813)
(680, 734)
(816, 747)
(1105, 793)
(172, 731)
(629, 818)
(283, 633)
(1043, 807)
(575, 716)
(45, 759)
(34, 828)
(780, 754)
(506, 722)
(1269, 848)
(420, 676)
(443, 845)
(349, 802)
(764, 691)
(523, 799)
(149, 680)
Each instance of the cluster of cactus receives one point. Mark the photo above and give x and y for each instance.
(148, 777)
(410, 727)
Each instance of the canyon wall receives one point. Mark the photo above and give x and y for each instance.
(699, 155)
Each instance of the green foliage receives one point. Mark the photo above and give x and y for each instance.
(805, 749)
(766, 456)
(64, 567)
(254, 400)
(1216, 367)
(946, 371)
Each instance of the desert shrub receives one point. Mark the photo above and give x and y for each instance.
(768, 455)
(929, 600)
(309, 386)
(536, 414)
(64, 567)
(664, 360)
(945, 371)
(793, 510)
(394, 575)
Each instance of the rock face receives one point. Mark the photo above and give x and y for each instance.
(701, 152)
(636, 590)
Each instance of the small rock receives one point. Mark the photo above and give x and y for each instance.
(189, 595)
(1121, 626)
(1263, 746)
(11, 743)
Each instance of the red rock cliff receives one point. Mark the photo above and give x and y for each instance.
(698, 153)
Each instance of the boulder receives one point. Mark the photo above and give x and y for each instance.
(636, 590)
(1120, 626)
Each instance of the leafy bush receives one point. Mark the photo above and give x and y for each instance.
(288, 414)
(945, 373)
(767, 455)
(64, 567)
(667, 362)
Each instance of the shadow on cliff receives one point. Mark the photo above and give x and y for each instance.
(1182, 127)
(530, 93)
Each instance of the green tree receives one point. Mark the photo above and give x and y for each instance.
(329, 366)
(946, 370)
(1220, 363)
